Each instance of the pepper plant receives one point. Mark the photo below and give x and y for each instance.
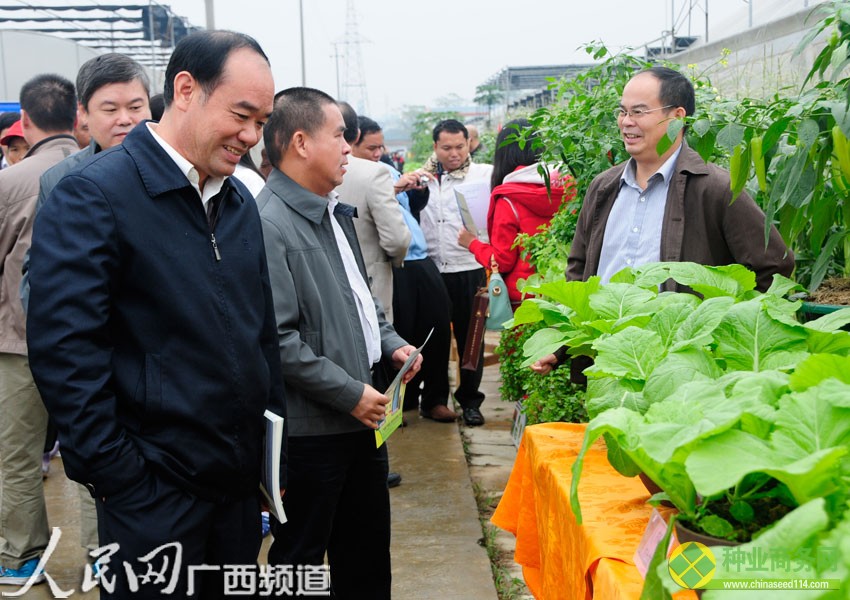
(578, 133)
(791, 152)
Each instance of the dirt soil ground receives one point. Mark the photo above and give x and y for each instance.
(833, 291)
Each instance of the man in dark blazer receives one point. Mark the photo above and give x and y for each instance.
(151, 326)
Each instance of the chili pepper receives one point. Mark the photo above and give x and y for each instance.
(737, 170)
(839, 145)
(837, 177)
(758, 162)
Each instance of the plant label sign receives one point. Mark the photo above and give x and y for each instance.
(655, 530)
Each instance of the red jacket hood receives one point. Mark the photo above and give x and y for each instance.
(526, 187)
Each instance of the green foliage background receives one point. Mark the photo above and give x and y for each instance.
(423, 128)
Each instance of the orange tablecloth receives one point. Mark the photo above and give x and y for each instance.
(560, 559)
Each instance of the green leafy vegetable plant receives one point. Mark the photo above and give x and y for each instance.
(720, 399)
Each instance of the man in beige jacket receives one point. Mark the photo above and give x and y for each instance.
(381, 230)
(48, 111)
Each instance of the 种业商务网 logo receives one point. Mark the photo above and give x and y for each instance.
(692, 565)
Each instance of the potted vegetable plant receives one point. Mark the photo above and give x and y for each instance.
(720, 400)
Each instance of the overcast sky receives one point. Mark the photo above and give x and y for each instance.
(417, 52)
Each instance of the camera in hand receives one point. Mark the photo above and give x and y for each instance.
(423, 181)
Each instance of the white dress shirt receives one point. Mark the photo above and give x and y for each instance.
(362, 295)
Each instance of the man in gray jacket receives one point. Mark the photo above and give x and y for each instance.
(48, 108)
(333, 335)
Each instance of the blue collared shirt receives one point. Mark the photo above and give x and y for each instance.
(633, 231)
(418, 249)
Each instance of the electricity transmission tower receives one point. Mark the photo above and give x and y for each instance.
(354, 84)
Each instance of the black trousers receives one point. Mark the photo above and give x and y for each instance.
(153, 512)
(337, 501)
(462, 287)
(420, 302)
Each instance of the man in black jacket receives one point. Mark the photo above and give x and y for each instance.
(151, 328)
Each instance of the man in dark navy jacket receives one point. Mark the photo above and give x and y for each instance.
(151, 325)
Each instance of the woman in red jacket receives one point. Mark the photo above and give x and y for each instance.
(519, 203)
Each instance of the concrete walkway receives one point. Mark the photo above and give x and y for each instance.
(436, 533)
(437, 539)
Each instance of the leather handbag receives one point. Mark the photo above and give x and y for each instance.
(500, 303)
(472, 350)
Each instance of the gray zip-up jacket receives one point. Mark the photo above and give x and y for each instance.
(322, 350)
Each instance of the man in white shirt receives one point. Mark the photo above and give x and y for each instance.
(448, 167)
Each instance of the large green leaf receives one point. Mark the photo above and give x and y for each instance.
(711, 282)
(631, 353)
(574, 294)
(621, 423)
(811, 437)
(701, 411)
(757, 396)
(813, 420)
(807, 132)
(620, 427)
(782, 286)
(541, 343)
(620, 458)
(835, 342)
(612, 392)
(750, 340)
(730, 136)
(765, 387)
(617, 300)
(677, 369)
(818, 368)
(831, 322)
(626, 275)
(721, 462)
(812, 476)
(652, 275)
(698, 329)
(635, 320)
(673, 313)
(528, 312)
(782, 310)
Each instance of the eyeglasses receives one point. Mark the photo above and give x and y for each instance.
(637, 113)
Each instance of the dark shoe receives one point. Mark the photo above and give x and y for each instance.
(440, 413)
(393, 480)
(472, 417)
